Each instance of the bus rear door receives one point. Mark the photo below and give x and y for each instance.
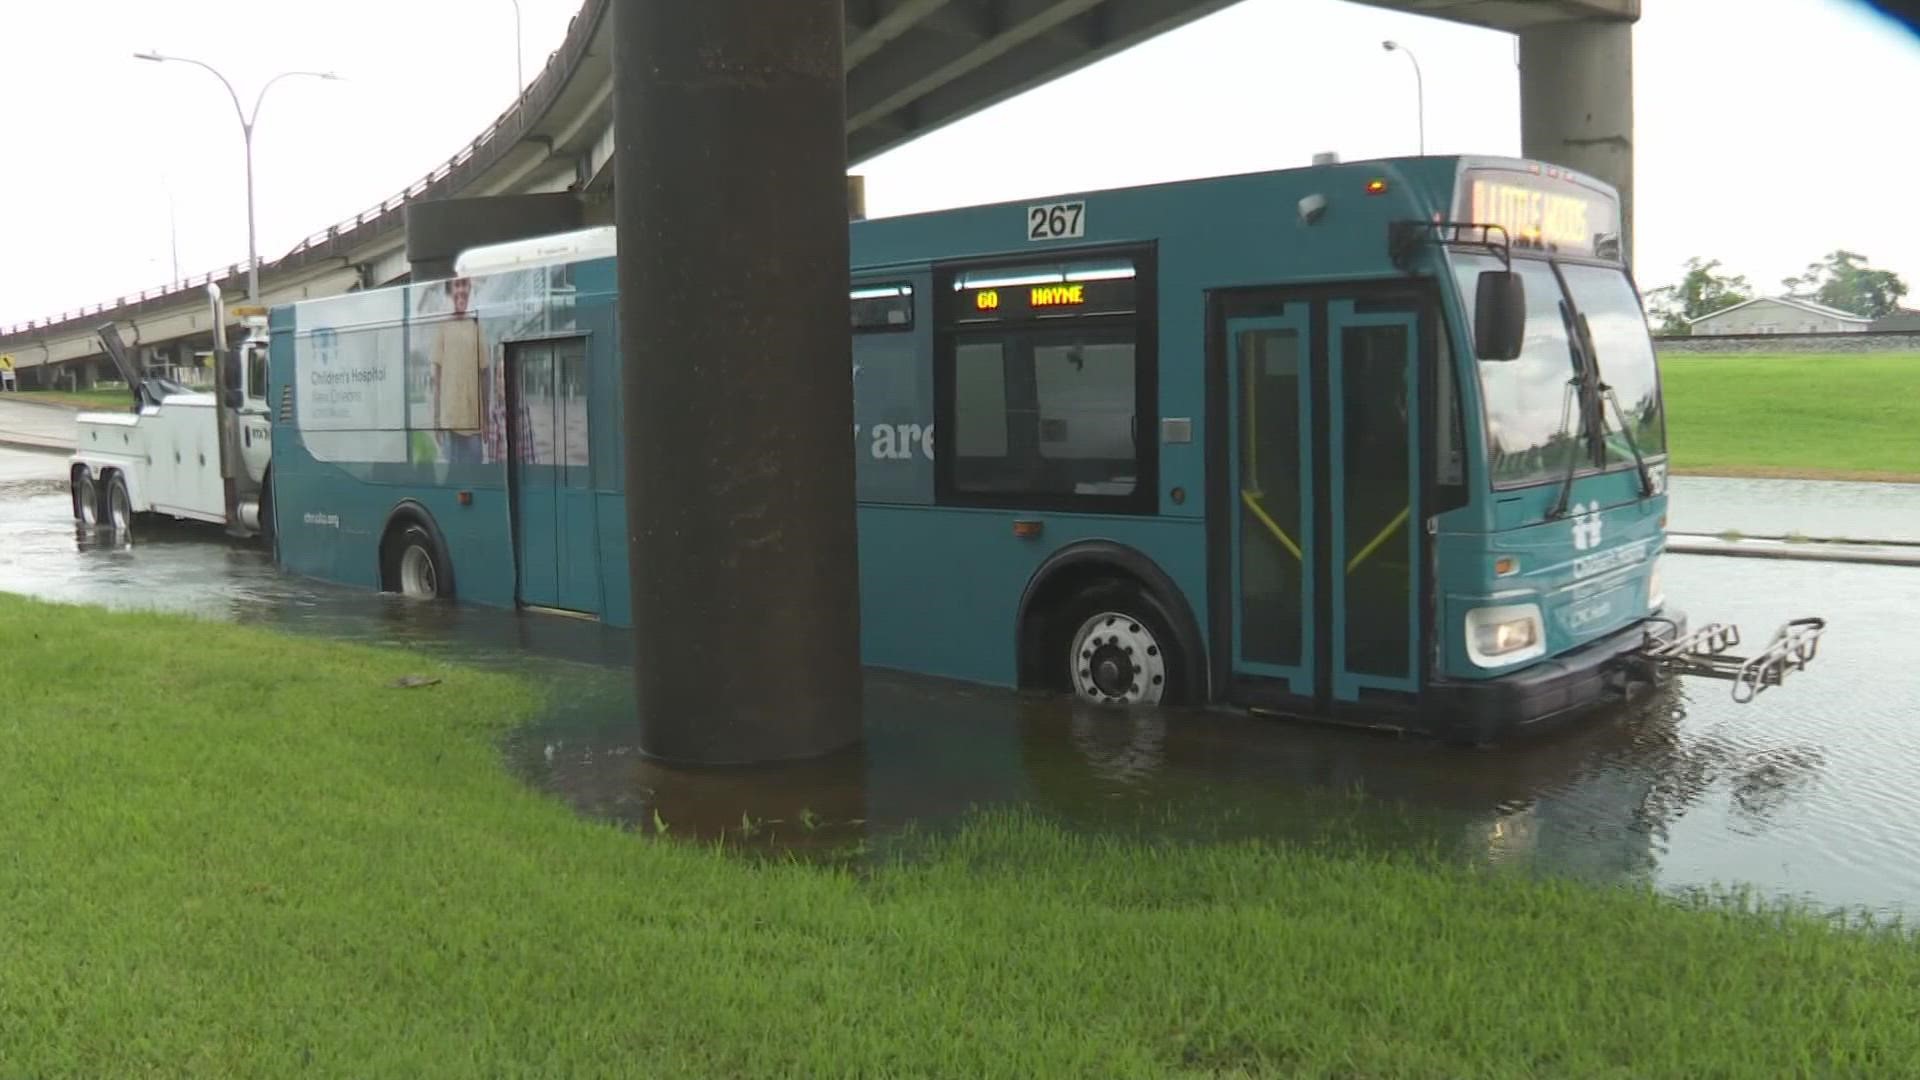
(556, 550)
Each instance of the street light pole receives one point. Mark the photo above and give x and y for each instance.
(1419, 88)
(519, 73)
(173, 231)
(246, 133)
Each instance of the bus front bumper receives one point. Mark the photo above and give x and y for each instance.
(1597, 673)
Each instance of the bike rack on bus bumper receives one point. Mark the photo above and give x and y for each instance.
(1703, 654)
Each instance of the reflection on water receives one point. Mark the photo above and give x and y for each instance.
(1813, 508)
(1599, 801)
(1807, 792)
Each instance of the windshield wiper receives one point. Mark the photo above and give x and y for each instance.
(1620, 414)
(1577, 386)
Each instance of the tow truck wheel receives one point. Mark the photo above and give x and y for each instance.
(119, 509)
(86, 497)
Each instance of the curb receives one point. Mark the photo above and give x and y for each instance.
(1893, 553)
(1796, 540)
(42, 446)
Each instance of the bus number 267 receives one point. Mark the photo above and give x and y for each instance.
(1058, 221)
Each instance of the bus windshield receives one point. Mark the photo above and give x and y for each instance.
(1533, 422)
(1531, 431)
(1624, 352)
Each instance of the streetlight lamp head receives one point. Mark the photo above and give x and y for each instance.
(1389, 45)
(153, 55)
(332, 76)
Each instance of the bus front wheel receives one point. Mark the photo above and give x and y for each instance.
(1120, 647)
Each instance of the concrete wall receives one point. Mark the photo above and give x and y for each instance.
(1788, 343)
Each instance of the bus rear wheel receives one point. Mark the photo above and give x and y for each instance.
(1120, 648)
(416, 569)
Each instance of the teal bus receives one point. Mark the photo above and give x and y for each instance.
(1376, 441)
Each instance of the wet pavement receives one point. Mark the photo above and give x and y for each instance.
(22, 471)
(1813, 508)
(1809, 792)
(23, 424)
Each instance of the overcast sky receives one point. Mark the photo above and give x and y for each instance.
(1767, 133)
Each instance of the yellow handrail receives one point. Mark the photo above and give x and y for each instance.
(1398, 520)
(1273, 527)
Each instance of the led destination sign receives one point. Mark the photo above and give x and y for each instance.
(1075, 290)
(1542, 213)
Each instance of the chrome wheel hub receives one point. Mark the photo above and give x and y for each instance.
(1117, 661)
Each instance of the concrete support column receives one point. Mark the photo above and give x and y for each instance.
(731, 204)
(1576, 103)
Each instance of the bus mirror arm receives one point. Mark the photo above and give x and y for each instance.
(1404, 239)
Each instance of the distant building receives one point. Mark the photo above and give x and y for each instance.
(1779, 315)
(1907, 322)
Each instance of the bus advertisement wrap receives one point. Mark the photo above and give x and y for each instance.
(415, 375)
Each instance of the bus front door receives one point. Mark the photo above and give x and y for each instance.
(1323, 487)
(556, 553)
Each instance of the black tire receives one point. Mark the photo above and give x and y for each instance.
(416, 565)
(86, 497)
(116, 508)
(1133, 630)
(266, 509)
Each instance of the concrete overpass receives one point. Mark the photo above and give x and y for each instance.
(912, 66)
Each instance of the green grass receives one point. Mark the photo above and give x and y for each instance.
(1835, 416)
(230, 852)
(119, 400)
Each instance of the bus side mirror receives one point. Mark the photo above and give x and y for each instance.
(1499, 315)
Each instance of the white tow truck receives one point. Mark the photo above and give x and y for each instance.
(180, 452)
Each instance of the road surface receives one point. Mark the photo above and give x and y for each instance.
(26, 425)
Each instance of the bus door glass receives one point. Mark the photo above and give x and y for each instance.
(1271, 428)
(1375, 543)
(556, 546)
(1323, 487)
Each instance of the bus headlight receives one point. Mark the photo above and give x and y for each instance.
(1500, 636)
(1656, 592)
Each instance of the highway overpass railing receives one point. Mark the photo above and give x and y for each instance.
(337, 239)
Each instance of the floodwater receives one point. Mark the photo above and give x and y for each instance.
(1818, 509)
(1807, 793)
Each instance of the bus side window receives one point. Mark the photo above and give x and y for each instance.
(1045, 369)
(892, 396)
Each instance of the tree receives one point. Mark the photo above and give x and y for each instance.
(1848, 283)
(1702, 291)
(1844, 280)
